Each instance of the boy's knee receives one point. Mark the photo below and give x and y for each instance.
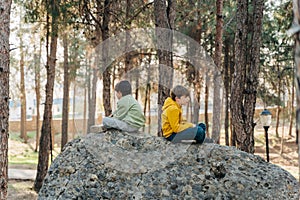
(203, 126)
(105, 121)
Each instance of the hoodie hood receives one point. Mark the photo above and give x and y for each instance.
(170, 102)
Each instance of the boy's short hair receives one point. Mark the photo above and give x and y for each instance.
(124, 87)
(179, 91)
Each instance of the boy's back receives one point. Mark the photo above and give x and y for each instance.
(130, 111)
(128, 116)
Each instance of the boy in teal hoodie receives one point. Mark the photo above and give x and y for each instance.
(128, 116)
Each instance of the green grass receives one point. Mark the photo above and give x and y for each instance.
(16, 136)
(28, 157)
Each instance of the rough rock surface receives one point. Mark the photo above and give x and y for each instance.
(117, 165)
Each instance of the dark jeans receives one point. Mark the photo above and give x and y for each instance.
(196, 133)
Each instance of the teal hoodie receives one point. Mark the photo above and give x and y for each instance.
(129, 111)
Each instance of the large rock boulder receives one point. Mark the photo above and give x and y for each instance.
(116, 165)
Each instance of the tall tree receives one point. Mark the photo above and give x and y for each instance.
(45, 140)
(227, 79)
(92, 96)
(105, 50)
(97, 14)
(128, 12)
(217, 108)
(245, 79)
(244, 140)
(65, 113)
(37, 87)
(22, 89)
(296, 31)
(22, 93)
(164, 22)
(5, 6)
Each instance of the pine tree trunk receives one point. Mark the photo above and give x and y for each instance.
(137, 83)
(65, 109)
(147, 101)
(22, 92)
(217, 108)
(206, 119)
(227, 89)
(89, 97)
(278, 110)
(292, 113)
(149, 93)
(86, 85)
(45, 140)
(245, 79)
(197, 88)
(164, 18)
(37, 82)
(128, 39)
(296, 10)
(74, 111)
(93, 88)
(252, 81)
(105, 50)
(92, 99)
(4, 94)
(238, 79)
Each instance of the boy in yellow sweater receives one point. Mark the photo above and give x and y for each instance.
(174, 128)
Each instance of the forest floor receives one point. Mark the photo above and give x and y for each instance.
(23, 189)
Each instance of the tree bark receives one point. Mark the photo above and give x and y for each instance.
(37, 82)
(227, 89)
(206, 119)
(65, 109)
(164, 22)
(89, 98)
(245, 79)
(278, 110)
(252, 81)
(92, 98)
(128, 39)
(45, 140)
(197, 89)
(238, 80)
(105, 50)
(292, 113)
(296, 10)
(22, 91)
(86, 86)
(217, 108)
(74, 111)
(4, 94)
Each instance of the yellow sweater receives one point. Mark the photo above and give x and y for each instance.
(172, 121)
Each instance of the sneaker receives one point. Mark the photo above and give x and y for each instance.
(97, 129)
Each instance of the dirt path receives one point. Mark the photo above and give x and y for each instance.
(288, 159)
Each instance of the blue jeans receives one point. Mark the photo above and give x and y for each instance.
(196, 133)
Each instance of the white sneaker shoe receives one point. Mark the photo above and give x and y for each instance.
(97, 129)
